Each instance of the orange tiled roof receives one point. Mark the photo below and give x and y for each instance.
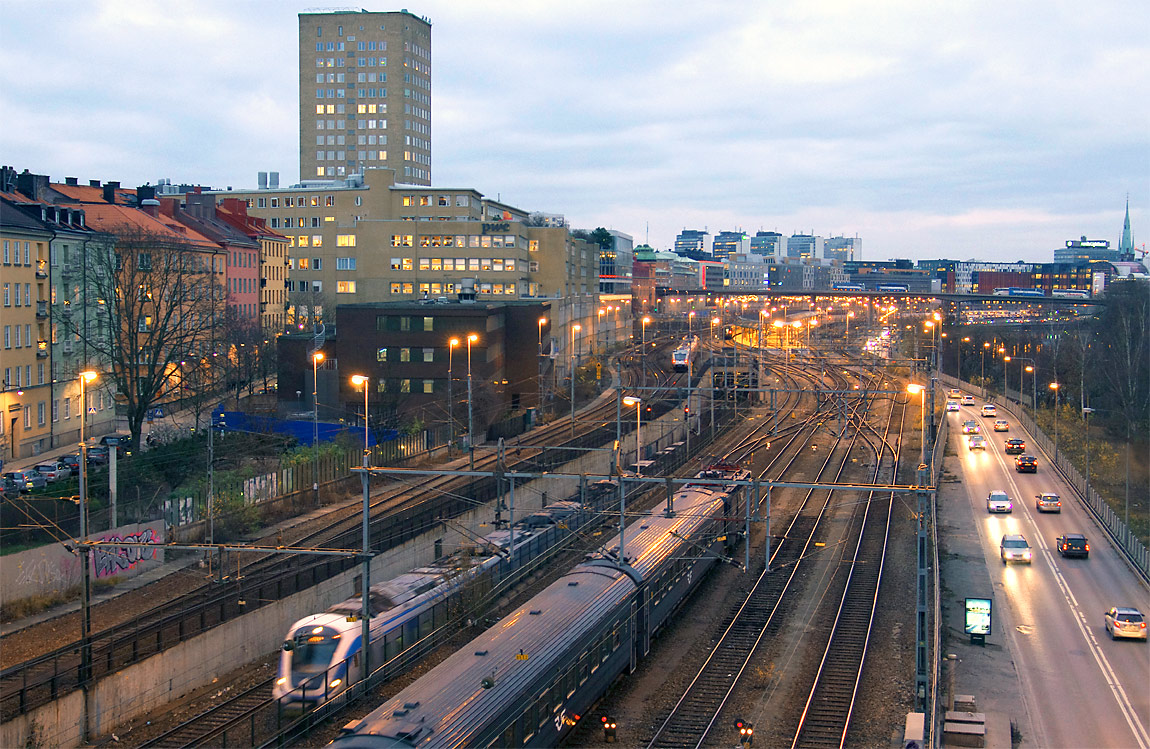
(89, 194)
(108, 217)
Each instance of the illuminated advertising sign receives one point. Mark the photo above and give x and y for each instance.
(977, 621)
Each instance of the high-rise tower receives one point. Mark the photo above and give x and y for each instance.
(364, 94)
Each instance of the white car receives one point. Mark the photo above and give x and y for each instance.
(977, 442)
(999, 501)
(54, 471)
(1001, 425)
(1125, 622)
(968, 400)
(1014, 548)
(990, 410)
(952, 406)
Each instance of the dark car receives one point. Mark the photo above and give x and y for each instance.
(72, 460)
(119, 441)
(98, 455)
(1026, 464)
(1015, 446)
(1072, 545)
(24, 481)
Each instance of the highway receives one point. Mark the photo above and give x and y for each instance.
(1079, 687)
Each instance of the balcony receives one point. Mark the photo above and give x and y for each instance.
(41, 310)
(41, 349)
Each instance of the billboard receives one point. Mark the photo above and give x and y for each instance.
(977, 620)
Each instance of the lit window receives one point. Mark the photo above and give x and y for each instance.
(405, 386)
(428, 386)
(405, 354)
(345, 287)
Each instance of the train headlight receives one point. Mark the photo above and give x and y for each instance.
(281, 681)
(334, 683)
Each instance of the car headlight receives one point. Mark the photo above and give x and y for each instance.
(1026, 555)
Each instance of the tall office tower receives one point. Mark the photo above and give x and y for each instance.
(364, 94)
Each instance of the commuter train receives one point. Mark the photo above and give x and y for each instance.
(848, 287)
(529, 679)
(321, 654)
(1016, 291)
(682, 357)
(892, 287)
(1071, 293)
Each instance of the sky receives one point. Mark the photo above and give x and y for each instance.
(977, 129)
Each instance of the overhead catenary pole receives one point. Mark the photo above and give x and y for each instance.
(471, 338)
(316, 358)
(86, 557)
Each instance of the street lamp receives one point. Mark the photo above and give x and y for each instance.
(982, 383)
(86, 377)
(646, 321)
(691, 322)
(316, 358)
(359, 380)
(965, 339)
(1054, 386)
(450, 397)
(636, 402)
(574, 329)
(850, 316)
(471, 338)
(539, 374)
(919, 390)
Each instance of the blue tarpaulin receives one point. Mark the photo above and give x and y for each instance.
(238, 421)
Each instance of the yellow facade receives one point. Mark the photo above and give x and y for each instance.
(24, 355)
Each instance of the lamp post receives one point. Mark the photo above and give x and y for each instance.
(637, 403)
(919, 390)
(1005, 361)
(539, 376)
(1086, 411)
(574, 329)
(471, 338)
(762, 355)
(360, 380)
(850, 316)
(86, 591)
(1054, 386)
(646, 321)
(450, 395)
(1021, 372)
(599, 328)
(691, 322)
(966, 339)
(714, 321)
(982, 378)
(316, 358)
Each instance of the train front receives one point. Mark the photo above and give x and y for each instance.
(315, 660)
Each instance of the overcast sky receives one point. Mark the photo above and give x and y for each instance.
(982, 129)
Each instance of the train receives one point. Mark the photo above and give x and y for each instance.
(1071, 293)
(531, 678)
(848, 287)
(1016, 291)
(682, 356)
(321, 654)
(892, 287)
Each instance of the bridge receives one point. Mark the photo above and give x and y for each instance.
(662, 293)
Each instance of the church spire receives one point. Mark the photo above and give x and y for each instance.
(1126, 246)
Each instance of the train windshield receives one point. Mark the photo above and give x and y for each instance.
(314, 650)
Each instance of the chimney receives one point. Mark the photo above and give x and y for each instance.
(71, 181)
(150, 206)
(145, 192)
(32, 185)
(109, 193)
(262, 180)
(115, 185)
(93, 183)
(274, 180)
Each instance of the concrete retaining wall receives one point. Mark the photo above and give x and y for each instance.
(147, 686)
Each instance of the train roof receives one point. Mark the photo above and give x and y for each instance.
(442, 707)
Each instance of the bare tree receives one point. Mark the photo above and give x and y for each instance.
(240, 349)
(160, 305)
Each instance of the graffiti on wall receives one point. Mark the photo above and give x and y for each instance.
(108, 562)
(261, 488)
(49, 574)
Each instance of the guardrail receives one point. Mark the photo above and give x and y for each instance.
(937, 456)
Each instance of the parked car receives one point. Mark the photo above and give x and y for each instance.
(1125, 622)
(1048, 502)
(999, 501)
(977, 442)
(1072, 545)
(971, 427)
(1001, 425)
(53, 471)
(25, 481)
(72, 460)
(1014, 548)
(968, 400)
(1026, 464)
(952, 406)
(98, 455)
(120, 441)
(989, 409)
(1014, 446)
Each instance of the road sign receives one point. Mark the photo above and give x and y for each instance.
(91, 410)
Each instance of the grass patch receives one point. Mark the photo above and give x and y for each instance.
(21, 608)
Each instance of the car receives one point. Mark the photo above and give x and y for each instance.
(1026, 464)
(25, 481)
(968, 400)
(53, 471)
(1014, 446)
(999, 501)
(977, 442)
(98, 455)
(971, 427)
(1001, 425)
(120, 441)
(1125, 622)
(989, 409)
(1047, 502)
(1014, 548)
(72, 460)
(952, 406)
(1072, 545)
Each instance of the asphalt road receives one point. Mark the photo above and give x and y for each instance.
(1080, 688)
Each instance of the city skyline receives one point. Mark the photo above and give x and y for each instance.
(1001, 140)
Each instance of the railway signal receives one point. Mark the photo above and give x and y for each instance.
(746, 732)
(608, 729)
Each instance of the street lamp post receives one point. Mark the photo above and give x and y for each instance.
(919, 390)
(450, 395)
(365, 597)
(599, 329)
(1086, 411)
(360, 380)
(86, 591)
(850, 316)
(1054, 386)
(637, 403)
(966, 339)
(691, 322)
(539, 376)
(646, 321)
(316, 358)
(982, 378)
(471, 338)
(714, 321)
(762, 355)
(574, 329)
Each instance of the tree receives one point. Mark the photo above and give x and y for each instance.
(1123, 356)
(601, 237)
(160, 302)
(240, 350)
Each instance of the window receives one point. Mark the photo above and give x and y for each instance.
(428, 323)
(345, 287)
(317, 263)
(41, 416)
(429, 355)
(345, 263)
(27, 417)
(67, 408)
(428, 387)
(303, 262)
(408, 264)
(381, 354)
(405, 386)
(405, 354)
(55, 409)
(395, 286)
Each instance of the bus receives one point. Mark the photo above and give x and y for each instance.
(1071, 293)
(848, 287)
(1016, 291)
(893, 287)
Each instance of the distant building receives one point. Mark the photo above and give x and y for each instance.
(351, 116)
(842, 248)
(691, 239)
(728, 243)
(1126, 245)
(768, 244)
(804, 246)
(616, 264)
(746, 271)
(1084, 250)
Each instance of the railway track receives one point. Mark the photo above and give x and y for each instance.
(409, 509)
(695, 715)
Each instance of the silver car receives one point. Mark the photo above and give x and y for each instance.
(1014, 548)
(999, 501)
(54, 471)
(1125, 622)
